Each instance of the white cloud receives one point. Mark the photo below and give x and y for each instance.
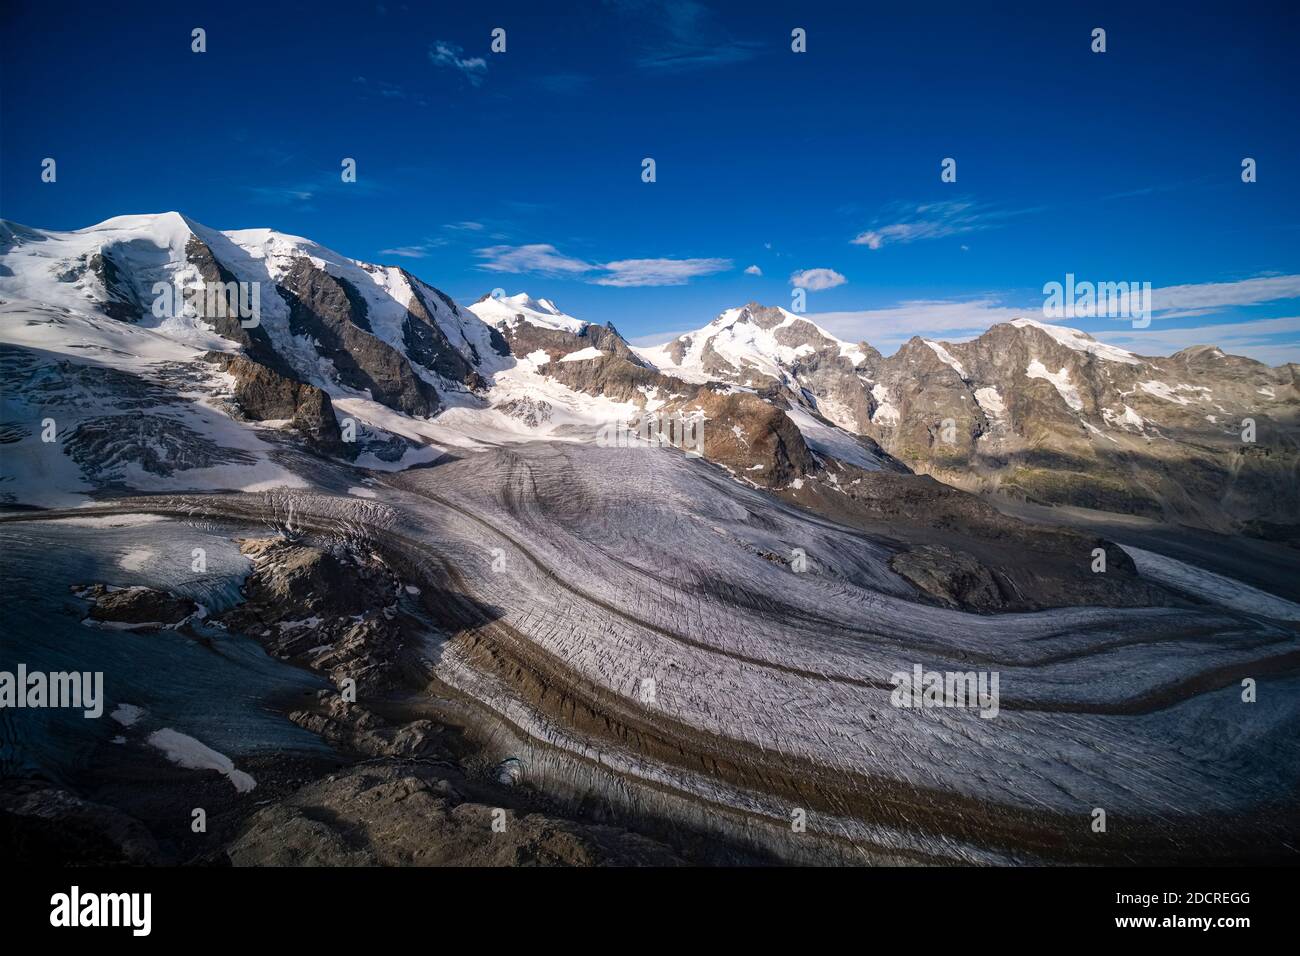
(936, 220)
(753, 271)
(1251, 338)
(1181, 301)
(888, 328)
(544, 259)
(539, 258)
(409, 252)
(466, 226)
(449, 55)
(657, 272)
(815, 280)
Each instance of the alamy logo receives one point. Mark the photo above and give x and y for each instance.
(75, 908)
(969, 689)
(74, 689)
(656, 431)
(209, 300)
(1110, 300)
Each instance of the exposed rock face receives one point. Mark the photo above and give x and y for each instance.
(1037, 412)
(330, 609)
(959, 543)
(953, 578)
(428, 345)
(329, 310)
(137, 605)
(1057, 418)
(262, 393)
(104, 447)
(120, 299)
(402, 814)
(227, 322)
(532, 412)
(615, 378)
(747, 435)
(41, 824)
(354, 729)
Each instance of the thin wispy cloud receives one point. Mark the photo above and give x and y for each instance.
(301, 193)
(816, 280)
(466, 226)
(900, 224)
(540, 258)
(658, 272)
(1185, 301)
(1273, 341)
(682, 35)
(543, 259)
(1206, 298)
(385, 90)
(417, 251)
(952, 319)
(451, 56)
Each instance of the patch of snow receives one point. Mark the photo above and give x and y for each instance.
(1061, 380)
(1081, 342)
(946, 357)
(1162, 390)
(991, 402)
(829, 440)
(135, 559)
(127, 714)
(184, 751)
(590, 352)
(1126, 419)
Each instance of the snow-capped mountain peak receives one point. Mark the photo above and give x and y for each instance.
(747, 343)
(510, 309)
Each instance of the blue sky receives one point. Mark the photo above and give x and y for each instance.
(522, 170)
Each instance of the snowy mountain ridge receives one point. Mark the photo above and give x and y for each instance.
(1029, 409)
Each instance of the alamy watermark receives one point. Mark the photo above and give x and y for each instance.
(209, 300)
(72, 689)
(1110, 300)
(677, 430)
(959, 689)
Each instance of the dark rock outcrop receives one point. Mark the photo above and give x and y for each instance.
(325, 308)
(391, 813)
(105, 446)
(332, 609)
(262, 394)
(225, 320)
(41, 824)
(136, 605)
(428, 345)
(751, 437)
(952, 578)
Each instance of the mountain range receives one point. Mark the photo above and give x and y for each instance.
(1027, 411)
